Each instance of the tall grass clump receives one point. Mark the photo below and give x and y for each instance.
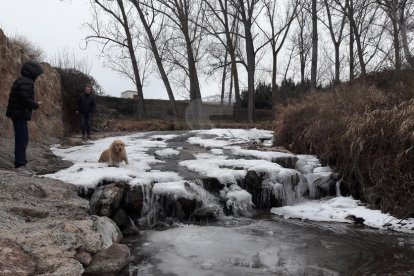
(364, 130)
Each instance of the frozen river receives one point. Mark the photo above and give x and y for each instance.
(272, 246)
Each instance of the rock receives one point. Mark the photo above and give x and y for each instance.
(212, 185)
(71, 229)
(70, 267)
(133, 200)
(108, 230)
(205, 214)
(29, 212)
(286, 161)
(326, 183)
(122, 219)
(253, 184)
(36, 191)
(83, 257)
(355, 219)
(14, 261)
(107, 199)
(125, 223)
(109, 261)
(187, 206)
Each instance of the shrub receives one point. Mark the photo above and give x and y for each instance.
(365, 131)
(27, 48)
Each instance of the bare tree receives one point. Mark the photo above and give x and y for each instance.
(147, 24)
(118, 33)
(336, 30)
(278, 31)
(396, 11)
(302, 39)
(184, 16)
(247, 12)
(224, 28)
(314, 66)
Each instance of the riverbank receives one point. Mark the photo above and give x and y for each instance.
(46, 228)
(363, 129)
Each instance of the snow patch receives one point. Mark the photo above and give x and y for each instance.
(337, 209)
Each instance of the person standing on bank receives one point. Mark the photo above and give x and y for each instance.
(21, 104)
(86, 106)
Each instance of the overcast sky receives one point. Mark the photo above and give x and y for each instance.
(53, 26)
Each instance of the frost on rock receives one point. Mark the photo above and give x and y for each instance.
(238, 201)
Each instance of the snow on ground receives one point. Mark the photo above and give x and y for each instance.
(242, 134)
(87, 172)
(167, 152)
(209, 143)
(337, 209)
(264, 155)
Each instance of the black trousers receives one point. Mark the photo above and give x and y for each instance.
(21, 140)
(86, 123)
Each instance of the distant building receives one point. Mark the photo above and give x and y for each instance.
(129, 94)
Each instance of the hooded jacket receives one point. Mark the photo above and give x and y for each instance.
(21, 99)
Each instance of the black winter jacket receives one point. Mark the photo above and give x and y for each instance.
(86, 103)
(21, 99)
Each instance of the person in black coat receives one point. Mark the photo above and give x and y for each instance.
(21, 104)
(86, 106)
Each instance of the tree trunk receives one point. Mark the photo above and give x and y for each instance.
(231, 93)
(138, 82)
(223, 81)
(404, 40)
(158, 59)
(251, 66)
(314, 66)
(195, 94)
(351, 52)
(396, 44)
(357, 38)
(337, 63)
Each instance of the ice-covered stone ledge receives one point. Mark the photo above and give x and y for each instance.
(344, 209)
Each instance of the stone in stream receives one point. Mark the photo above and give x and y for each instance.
(107, 199)
(288, 162)
(125, 223)
(253, 183)
(205, 214)
(133, 200)
(14, 261)
(109, 261)
(212, 185)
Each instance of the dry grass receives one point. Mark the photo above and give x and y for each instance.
(365, 130)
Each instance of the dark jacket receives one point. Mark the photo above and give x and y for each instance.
(86, 103)
(21, 99)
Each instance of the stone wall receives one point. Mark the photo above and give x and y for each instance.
(161, 109)
(47, 121)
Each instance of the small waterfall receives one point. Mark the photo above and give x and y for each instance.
(149, 206)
